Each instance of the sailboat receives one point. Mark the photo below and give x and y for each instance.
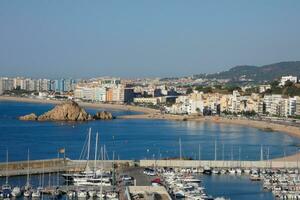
(97, 179)
(27, 189)
(87, 172)
(6, 188)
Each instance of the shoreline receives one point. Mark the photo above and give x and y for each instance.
(148, 113)
(83, 104)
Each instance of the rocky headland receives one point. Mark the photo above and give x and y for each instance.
(68, 111)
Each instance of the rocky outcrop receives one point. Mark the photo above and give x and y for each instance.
(103, 116)
(31, 117)
(68, 111)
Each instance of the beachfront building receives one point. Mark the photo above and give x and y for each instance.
(146, 100)
(6, 84)
(297, 110)
(100, 94)
(292, 106)
(235, 105)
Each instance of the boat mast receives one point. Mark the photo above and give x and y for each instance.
(43, 176)
(261, 153)
(215, 150)
(223, 151)
(57, 175)
(6, 182)
(102, 169)
(27, 182)
(199, 151)
(96, 149)
(180, 155)
(88, 150)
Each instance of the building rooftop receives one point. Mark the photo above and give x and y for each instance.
(147, 193)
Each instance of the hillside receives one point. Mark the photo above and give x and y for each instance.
(257, 74)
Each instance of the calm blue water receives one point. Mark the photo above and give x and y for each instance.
(136, 139)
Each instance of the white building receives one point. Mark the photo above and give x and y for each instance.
(263, 88)
(284, 79)
(235, 102)
(100, 94)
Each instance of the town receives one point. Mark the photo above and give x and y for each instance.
(181, 96)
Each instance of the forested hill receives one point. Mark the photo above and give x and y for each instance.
(257, 74)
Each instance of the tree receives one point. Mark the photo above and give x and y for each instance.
(189, 90)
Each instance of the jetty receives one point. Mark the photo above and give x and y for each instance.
(20, 168)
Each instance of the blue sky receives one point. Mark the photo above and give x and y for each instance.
(139, 38)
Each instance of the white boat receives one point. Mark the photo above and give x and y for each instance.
(215, 171)
(111, 195)
(92, 193)
(6, 188)
(71, 194)
(239, 171)
(27, 193)
(232, 171)
(16, 192)
(100, 195)
(255, 177)
(36, 194)
(82, 194)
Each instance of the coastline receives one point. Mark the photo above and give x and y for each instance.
(83, 104)
(148, 113)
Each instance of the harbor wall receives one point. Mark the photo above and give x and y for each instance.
(57, 165)
(219, 164)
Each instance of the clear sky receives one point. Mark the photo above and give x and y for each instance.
(56, 38)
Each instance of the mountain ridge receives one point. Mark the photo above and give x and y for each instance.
(252, 73)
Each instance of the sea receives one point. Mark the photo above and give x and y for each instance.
(145, 139)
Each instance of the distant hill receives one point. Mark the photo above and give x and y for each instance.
(257, 74)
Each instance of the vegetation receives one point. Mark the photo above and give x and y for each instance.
(257, 74)
(289, 89)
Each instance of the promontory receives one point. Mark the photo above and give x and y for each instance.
(68, 111)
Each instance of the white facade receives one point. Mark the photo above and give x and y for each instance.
(284, 79)
(263, 88)
(100, 94)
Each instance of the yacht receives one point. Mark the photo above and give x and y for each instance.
(36, 194)
(6, 188)
(16, 192)
(82, 194)
(6, 191)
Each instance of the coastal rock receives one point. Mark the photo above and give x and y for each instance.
(30, 117)
(103, 116)
(68, 111)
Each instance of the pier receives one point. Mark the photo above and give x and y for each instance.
(20, 168)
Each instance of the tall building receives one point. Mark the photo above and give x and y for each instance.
(297, 111)
(128, 95)
(109, 95)
(100, 94)
(59, 85)
(235, 102)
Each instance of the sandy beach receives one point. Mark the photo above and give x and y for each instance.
(148, 113)
(83, 104)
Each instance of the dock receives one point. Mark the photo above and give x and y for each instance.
(21, 168)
